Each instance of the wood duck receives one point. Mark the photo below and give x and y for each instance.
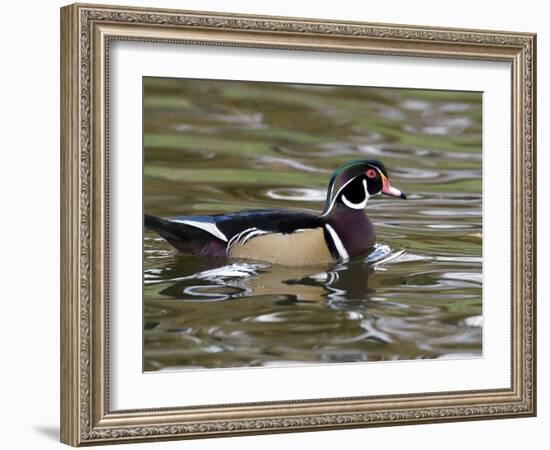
(289, 237)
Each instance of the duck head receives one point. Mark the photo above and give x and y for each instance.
(353, 183)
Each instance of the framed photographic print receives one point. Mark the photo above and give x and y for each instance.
(275, 224)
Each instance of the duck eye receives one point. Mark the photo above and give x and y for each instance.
(371, 173)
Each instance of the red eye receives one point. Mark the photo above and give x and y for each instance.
(371, 173)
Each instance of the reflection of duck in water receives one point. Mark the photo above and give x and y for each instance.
(289, 237)
(349, 281)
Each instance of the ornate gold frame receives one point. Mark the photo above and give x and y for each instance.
(86, 31)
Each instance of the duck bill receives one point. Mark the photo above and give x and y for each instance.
(388, 189)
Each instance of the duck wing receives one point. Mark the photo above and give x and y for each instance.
(211, 235)
(268, 220)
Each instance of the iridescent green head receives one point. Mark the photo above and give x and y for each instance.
(354, 182)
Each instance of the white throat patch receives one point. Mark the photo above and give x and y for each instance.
(360, 205)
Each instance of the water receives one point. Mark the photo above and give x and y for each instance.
(218, 146)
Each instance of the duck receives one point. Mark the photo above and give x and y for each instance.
(286, 236)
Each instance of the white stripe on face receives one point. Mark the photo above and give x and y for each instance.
(336, 196)
(361, 205)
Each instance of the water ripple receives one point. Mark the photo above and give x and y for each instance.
(218, 146)
(297, 194)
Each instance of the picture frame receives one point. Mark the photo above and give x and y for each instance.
(87, 33)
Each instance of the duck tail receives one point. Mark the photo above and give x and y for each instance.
(185, 238)
(156, 224)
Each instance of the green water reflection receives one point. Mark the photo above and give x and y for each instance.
(217, 146)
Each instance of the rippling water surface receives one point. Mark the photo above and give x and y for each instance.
(219, 146)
